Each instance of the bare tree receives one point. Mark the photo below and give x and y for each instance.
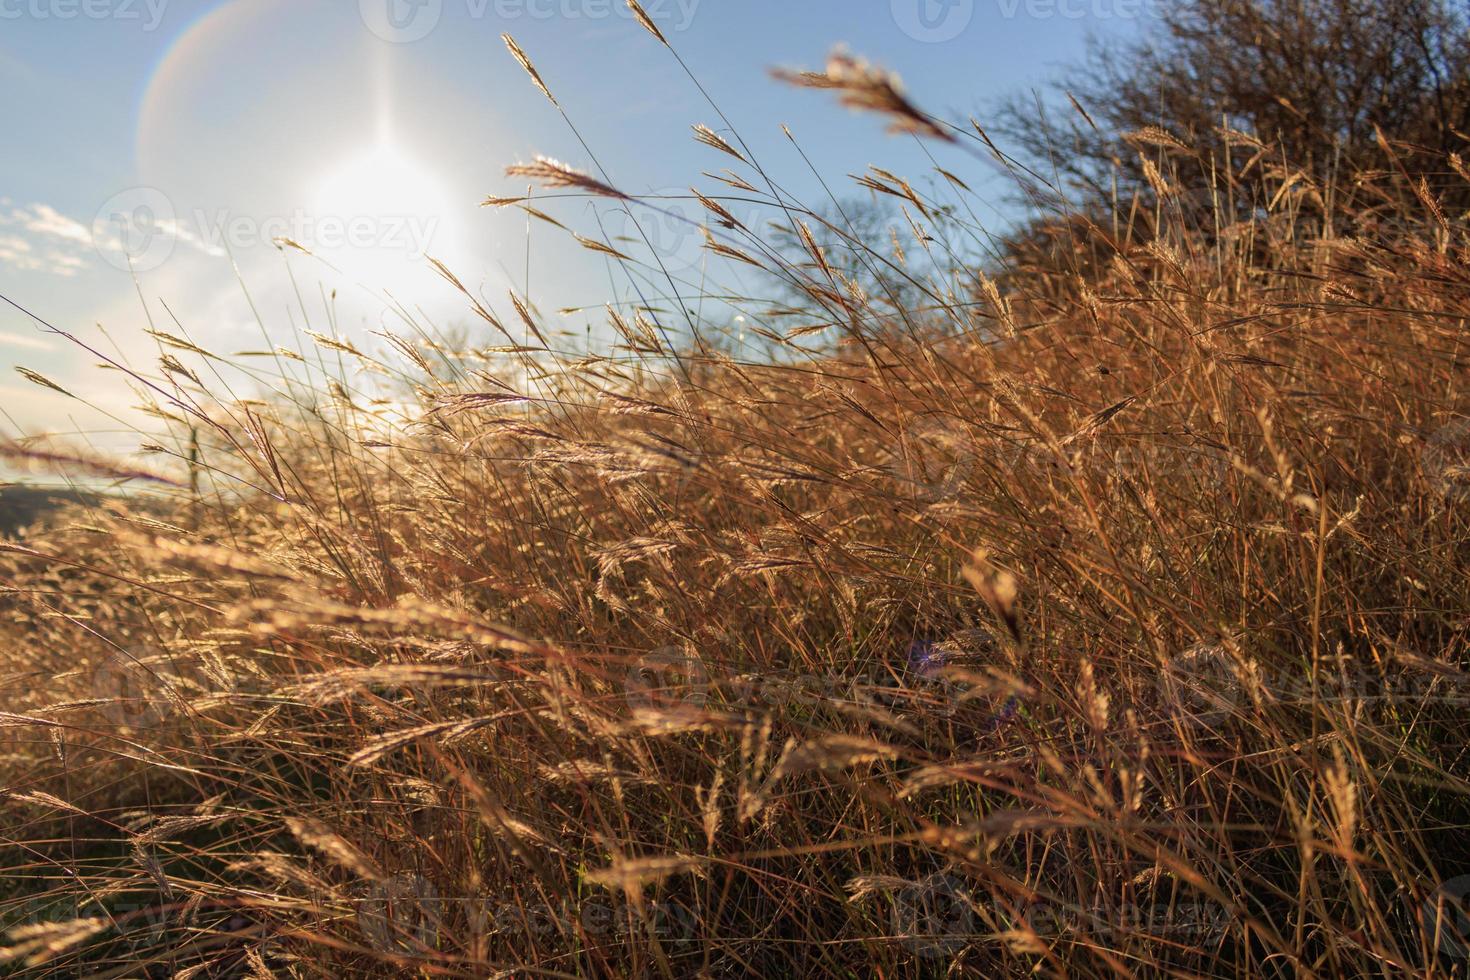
(1316, 80)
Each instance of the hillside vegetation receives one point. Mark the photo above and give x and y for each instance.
(1099, 609)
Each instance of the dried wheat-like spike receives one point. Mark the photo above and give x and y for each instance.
(36, 944)
(727, 219)
(540, 215)
(554, 173)
(863, 87)
(524, 312)
(830, 754)
(647, 22)
(1155, 136)
(179, 343)
(730, 252)
(44, 799)
(586, 772)
(1156, 179)
(40, 379)
(1236, 137)
(709, 137)
(734, 180)
(633, 874)
(860, 887)
(596, 246)
(335, 343)
(952, 179)
(525, 62)
(172, 365)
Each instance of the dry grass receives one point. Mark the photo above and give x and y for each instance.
(1105, 614)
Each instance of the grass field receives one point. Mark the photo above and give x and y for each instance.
(1097, 607)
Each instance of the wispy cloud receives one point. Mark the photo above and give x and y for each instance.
(42, 239)
(19, 254)
(22, 340)
(39, 238)
(46, 220)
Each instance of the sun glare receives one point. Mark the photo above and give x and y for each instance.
(380, 211)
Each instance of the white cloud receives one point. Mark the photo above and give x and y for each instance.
(43, 240)
(17, 253)
(65, 265)
(181, 232)
(21, 340)
(46, 220)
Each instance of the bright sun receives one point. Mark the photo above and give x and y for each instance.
(380, 212)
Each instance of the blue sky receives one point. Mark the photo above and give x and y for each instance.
(179, 137)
